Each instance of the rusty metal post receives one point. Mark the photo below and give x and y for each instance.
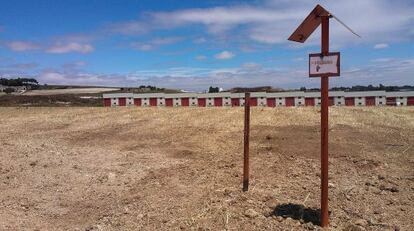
(324, 127)
(246, 141)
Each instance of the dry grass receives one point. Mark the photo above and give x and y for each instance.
(89, 90)
(170, 168)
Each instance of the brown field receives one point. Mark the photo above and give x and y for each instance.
(60, 100)
(180, 168)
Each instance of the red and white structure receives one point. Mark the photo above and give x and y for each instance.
(260, 99)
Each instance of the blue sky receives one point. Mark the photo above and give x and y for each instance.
(194, 44)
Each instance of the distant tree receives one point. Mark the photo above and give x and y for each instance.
(302, 89)
(29, 81)
(19, 82)
(3, 81)
(213, 89)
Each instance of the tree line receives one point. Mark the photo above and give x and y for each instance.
(151, 88)
(370, 87)
(18, 82)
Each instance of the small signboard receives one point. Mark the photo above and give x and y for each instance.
(328, 65)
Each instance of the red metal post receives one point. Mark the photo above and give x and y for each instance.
(324, 127)
(246, 141)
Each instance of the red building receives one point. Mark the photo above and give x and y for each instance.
(410, 101)
(107, 102)
(253, 102)
(218, 102)
(169, 102)
(122, 101)
(309, 101)
(290, 101)
(271, 102)
(185, 102)
(369, 101)
(153, 102)
(201, 102)
(349, 101)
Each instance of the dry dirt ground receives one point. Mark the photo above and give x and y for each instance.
(180, 168)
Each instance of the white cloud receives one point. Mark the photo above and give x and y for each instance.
(73, 66)
(390, 72)
(61, 48)
(382, 60)
(224, 55)
(386, 71)
(273, 21)
(24, 66)
(57, 47)
(155, 43)
(251, 66)
(166, 40)
(178, 72)
(396, 72)
(128, 27)
(79, 78)
(380, 46)
(52, 77)
(22, 46)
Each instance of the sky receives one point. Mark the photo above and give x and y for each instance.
(192, 45)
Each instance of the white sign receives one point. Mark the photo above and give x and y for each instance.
(324, 65)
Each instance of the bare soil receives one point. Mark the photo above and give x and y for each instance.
(181, 168)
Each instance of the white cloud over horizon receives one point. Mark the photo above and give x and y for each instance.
(224, 55)
(56, 48)
(62, 48)
(21, 46)
(386, 71)
(155, 43)
(381, 46)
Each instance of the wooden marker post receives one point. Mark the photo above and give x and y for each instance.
(246, 141)
(324, 126)
(321, 65)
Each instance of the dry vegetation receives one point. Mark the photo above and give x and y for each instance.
(60, 100)
(180, 168)
(86, 90)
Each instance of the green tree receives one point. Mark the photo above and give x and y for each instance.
(213, 89)
(9, 90)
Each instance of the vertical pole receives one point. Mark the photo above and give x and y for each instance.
(246, 141)
(324, 127)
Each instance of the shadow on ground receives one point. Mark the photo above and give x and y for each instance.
(298, 212)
